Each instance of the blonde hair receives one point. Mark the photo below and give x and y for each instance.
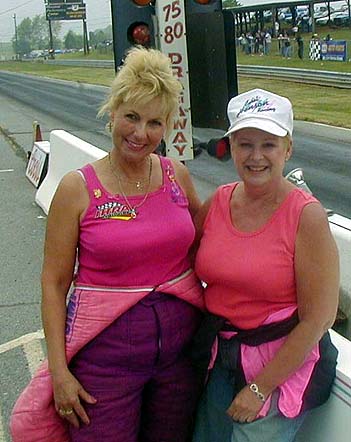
(146, 74)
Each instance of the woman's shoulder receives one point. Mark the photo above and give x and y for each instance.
(226, 189)
(71, 191)
(301, 197)
(72, 181)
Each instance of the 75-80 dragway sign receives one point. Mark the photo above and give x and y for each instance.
(172, 40)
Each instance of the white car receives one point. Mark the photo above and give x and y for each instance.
(336, 17)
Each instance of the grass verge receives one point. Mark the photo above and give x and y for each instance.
(320, 104)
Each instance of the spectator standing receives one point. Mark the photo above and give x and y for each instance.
(299, 41)
(281, 44)
(287, 46)
(257, 42)
(251, 43)
(267, 43)
(243, 43)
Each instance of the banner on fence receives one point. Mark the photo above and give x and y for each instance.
(334, 50)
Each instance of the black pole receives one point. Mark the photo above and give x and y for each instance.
(16, 37)
(51, 41)
(85, 37)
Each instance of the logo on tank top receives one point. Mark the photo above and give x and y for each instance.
(114, 210)
(176, 194)
(97, 193)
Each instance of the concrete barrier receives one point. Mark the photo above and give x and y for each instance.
(341, 229)
(67, 153)
(331, 422)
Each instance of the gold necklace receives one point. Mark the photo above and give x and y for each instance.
(132, 209)
(139, 184)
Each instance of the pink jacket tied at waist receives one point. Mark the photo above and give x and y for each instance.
(34, 418)
(254, 358)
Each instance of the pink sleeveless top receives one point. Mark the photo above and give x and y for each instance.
(116, 250)
(250, 275)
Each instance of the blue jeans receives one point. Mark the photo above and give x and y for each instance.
(214, 425)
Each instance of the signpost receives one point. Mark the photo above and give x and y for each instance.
(172, 42)
(67, 10)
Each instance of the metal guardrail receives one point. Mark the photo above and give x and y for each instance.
(83, 63)
(323, 78)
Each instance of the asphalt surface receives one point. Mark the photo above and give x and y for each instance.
(22, 230)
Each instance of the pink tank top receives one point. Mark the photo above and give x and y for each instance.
(118, 251)
(250, 275)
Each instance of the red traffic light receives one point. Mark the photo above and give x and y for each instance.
(139, 34)
(141, 2)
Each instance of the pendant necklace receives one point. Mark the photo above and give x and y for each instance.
(133, 209)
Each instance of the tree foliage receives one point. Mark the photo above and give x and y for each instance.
(230, 3)
(73, 40)
(34, 34)
(100, 36)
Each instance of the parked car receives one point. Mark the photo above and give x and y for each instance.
(337, 18)
(341, 18)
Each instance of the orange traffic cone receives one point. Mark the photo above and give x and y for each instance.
(36, 132)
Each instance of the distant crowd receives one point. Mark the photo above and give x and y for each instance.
(260, 42)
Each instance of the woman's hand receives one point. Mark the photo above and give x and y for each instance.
(245, 406)
(68, 394)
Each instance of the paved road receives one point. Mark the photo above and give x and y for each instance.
(22, 223)
(324, 153)
(22, 227)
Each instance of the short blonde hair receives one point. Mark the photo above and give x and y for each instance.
(146, 74)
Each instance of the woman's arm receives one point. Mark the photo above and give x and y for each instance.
(317, 285)
(69, 202)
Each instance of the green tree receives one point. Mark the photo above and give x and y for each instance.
(97, 37)
(100, 36)
(34, 34)
(73, 40)
(40, 32)
(230, 3)
(24, 33)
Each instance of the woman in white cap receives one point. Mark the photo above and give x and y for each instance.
(273, 291)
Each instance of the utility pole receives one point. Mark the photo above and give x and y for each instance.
(51, 42)
(85, 38)
(16, 39)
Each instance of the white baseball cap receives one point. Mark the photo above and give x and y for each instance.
(262, 110)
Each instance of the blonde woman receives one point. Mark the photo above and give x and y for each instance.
(136, 301)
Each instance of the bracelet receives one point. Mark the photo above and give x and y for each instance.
(256, 391)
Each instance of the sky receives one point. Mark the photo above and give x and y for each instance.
(98, 16)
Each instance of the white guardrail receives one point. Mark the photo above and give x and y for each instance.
(330, 422)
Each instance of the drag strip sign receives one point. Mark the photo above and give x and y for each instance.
(38, 162)
(172, 40)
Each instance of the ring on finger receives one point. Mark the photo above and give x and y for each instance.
(66, 412)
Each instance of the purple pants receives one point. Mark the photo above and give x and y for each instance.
(145, 387)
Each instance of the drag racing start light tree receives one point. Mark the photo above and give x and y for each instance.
(132, 23)
(212, 61)
(199, 37)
